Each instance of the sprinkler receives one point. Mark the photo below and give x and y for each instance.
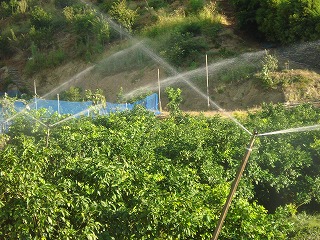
(234, 187)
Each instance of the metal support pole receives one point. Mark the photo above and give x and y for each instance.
(48, 135)
(58, 98)
(35, 94)
(233, 188)
(159, 91)
(207, 73)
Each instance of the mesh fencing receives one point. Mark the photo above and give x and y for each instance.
(151, 103)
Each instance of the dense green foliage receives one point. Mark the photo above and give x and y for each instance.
(60, 30)
(123, 14)
(280, 20)
(181, 36)
(71, 29)
(132, 176)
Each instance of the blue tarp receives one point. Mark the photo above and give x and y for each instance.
(62, 107)
(65, 107)
(151, 103)
(78, 108)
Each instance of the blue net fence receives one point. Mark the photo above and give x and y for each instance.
(61, 107)
(151, 103)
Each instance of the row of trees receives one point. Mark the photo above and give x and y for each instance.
(280, 20)
(133, 176)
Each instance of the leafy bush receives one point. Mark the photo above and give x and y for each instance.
(128, 176)
(74, 94)
(281, 21)
(41, 37)
(5, 9)
(122, 14)
(182, 48)
(92, 30)
(40, 18)
(174, 96)
(285, 170)
(182, 39)
(246, 14)
(269, 65)
(41, 60)
(64, 3)
(194, 6)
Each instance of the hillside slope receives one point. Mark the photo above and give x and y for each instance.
(234, 86)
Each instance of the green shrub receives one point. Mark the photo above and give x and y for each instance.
(279, 20)
(5, 47)
(74, 94)
(92, 30)
(123, 14)
(5, 9)
(132, 176)
(41, 60)
(40, 18)
(194, 6)
(175, 99)
(64, 3)
(41, 37)
(182, 39)
(269, 65)
(183, 48)
(246, 14)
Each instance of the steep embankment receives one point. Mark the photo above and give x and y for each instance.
(232, 87)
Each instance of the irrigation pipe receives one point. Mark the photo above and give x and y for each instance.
(234, 188)
(242, 167)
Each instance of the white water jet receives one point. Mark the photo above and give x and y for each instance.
(303, 54)
(72, 80)
(292, 130)
(165, 64)
(185, 78)
(37, 120)
(85, 111)
(15, 115)
(193, 73)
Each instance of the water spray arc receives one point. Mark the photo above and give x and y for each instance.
(94, 108)
(73, 79)
(185, 78)
(165, 64)
(242, 168)
(192, 86)
(292, 130)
